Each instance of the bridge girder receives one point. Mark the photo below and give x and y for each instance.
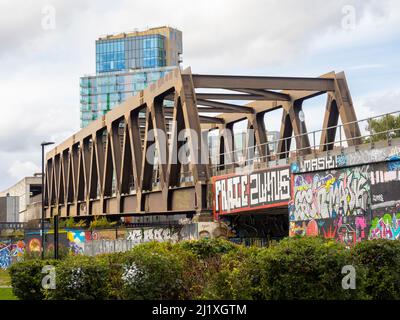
(104, 169)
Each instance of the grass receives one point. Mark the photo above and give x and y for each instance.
(4, 278)
(5, 293)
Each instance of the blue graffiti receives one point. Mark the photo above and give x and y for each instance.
(341, 160)
(393, 163)
(294, 167)
(5, 258)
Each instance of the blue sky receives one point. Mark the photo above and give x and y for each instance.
(39, 82)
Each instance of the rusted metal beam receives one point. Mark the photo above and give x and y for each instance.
(232, 96)
(204, 119)
(271, 83)
(239, 109)
(215, 110)
(267, 95)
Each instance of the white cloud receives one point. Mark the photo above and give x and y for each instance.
(20, 169)
(379, 102)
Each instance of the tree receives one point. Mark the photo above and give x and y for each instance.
(383, 128)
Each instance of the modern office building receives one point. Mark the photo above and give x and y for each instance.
(127, 63)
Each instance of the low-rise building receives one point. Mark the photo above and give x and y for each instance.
(9, 211)
(26, 190)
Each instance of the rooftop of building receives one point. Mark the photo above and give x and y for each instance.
(35, 179)
(136, 33)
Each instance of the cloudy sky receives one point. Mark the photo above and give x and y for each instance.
(41, 61)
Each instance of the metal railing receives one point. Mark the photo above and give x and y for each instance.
(233, 158)
(237, 158)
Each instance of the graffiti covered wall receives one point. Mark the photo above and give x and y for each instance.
(246, 192)
(10, 252)
(349, 204)
(342, 160)
(385, 209)
(173, 233)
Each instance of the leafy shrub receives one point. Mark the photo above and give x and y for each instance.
(80, 278)
(238, 276)
(153, 271)
(204, 265)
(101, 222)
(206, 248)
(26, 278)
(70, 223)
(304, 268)
(115, 263)
(381, 261)
(294, 268)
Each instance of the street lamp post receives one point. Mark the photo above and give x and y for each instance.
(43, 144)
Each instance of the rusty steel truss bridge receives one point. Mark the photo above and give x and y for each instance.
(105, 168)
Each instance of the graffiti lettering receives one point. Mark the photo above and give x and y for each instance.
(322, 196)
(358, 157)
(258, 189)
(153, 234)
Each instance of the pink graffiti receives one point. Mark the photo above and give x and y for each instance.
(389, 230)
(361, 224)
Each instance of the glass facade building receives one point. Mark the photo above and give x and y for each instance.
(127, 63)
(100, 93)
(130, 53)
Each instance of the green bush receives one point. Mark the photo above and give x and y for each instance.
(237, 278)
(381, 262)
(26, 278)
(172, 273)
(204, 266)
(153, 271)
(80, 278)
(114, 263)
(206, 248)
(304, 268)
(294, 268)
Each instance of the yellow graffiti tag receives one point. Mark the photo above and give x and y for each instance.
(329, 183)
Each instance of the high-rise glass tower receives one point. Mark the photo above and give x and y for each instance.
(125, 64)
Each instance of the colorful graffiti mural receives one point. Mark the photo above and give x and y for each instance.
(326, 195)
(386, 227)
(76, 240)
(34, 245)
(385, 223)
(11, 252)
(347, 230)
(332, 204)
(348, 204)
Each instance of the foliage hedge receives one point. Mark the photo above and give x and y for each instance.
(26, 278)
(382, 261)
(294, 268)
